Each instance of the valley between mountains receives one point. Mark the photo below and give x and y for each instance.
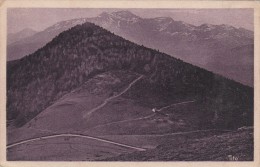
(91, 95)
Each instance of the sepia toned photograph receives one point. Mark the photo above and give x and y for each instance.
(130, 84)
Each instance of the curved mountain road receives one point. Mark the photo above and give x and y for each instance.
(127, 120)
(74, 135)
(175, 104)
(177, 133)
(140, 118)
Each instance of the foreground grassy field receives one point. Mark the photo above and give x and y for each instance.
(231, 146)
(69, 148)
(183, 131)
(210, 145)
(153, 140)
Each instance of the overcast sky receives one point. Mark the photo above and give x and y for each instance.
(41, 18)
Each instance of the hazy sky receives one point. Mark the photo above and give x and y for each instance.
(41, 18)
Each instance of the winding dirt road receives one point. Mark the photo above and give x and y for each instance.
(74, 135)
(185, 102)
(176, 133)
(140, 118)
(128, 120)
(111, 98)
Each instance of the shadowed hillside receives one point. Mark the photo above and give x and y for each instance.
(80, 53)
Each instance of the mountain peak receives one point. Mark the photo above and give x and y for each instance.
(28, 30)
(120, 15)
(163, 19)
(24, 33)
(25, 30)
(124, 14)
(103, 14)
(86, 50)
(206, 25)
(227, 27)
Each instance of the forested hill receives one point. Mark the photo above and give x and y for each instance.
(213, 47)
(71, 58)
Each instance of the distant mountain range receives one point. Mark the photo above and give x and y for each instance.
(14, 37)
(223, 49)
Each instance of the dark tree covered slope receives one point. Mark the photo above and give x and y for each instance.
(37, 80)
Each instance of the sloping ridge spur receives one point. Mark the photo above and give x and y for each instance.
(141, 118)
(112, 97)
